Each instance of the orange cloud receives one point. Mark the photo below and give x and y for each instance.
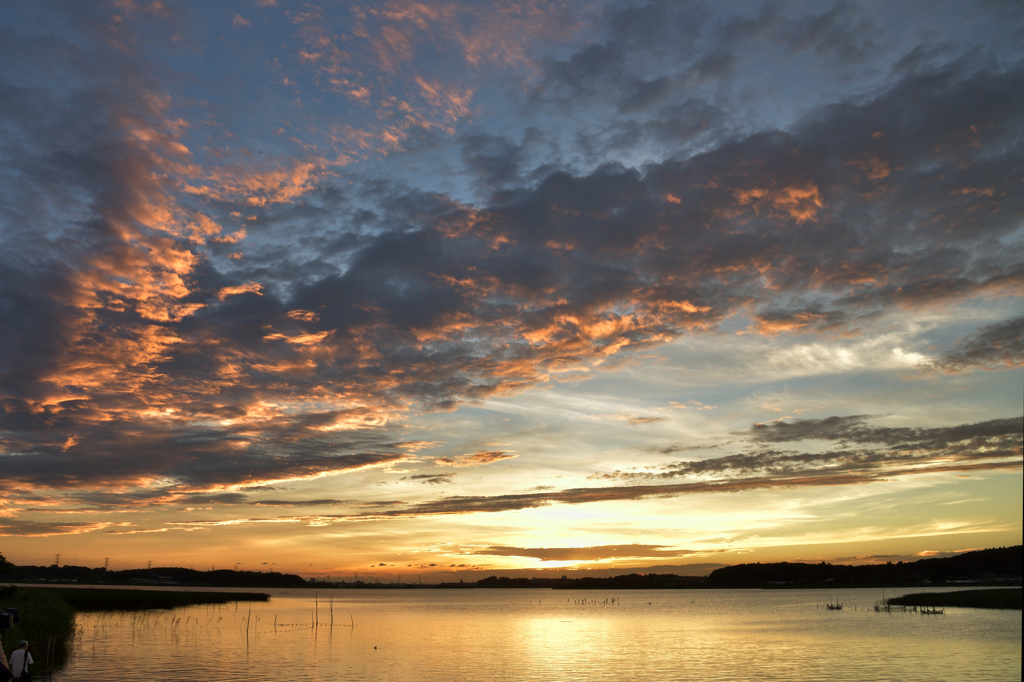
(303, 315)
(475, 459)
(234, 238)
(256, 187)
(247, 288)
(299, 339)
(874, 167)
(800, 202)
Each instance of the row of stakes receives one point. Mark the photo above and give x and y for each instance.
(314, 620)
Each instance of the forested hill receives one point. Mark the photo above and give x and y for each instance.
(154, 576)
(1003, 563)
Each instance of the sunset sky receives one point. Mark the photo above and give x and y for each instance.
(444, 288)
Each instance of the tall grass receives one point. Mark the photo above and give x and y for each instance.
(51, 611)
(42, 613)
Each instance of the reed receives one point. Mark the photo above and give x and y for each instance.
(43, 614)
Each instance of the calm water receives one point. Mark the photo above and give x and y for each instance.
(492, 635)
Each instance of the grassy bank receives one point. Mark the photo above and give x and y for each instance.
(51, 611)
(42, 613)
(979, 599)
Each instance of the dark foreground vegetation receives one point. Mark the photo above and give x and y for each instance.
(43, 614)
(979, 599)
(50, 611)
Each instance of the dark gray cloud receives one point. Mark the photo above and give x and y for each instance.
(646, 420)
(994, 346)
(845, 32)
(435, 479)
(496, 161)
(855, 447)
(855, 429)
(642, 40)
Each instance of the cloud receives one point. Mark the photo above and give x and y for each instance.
(325, 502)
(247, 288)
(441, 303)
(987, 446)
(855, 429)
(128, 330)
(963, 449)
(43, 529)
(512, 502)
(960, 450)
(495, 160)
(475, 459)
(435, 479)
(646, 420)
(598, 553)
(994, 346)
(859, 449)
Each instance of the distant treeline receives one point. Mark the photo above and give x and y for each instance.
(633, 581)
(1000, 565)
(154, 576)
(994, 565)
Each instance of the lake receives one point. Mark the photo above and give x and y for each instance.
(526, 634)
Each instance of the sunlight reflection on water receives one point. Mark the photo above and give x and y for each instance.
(499, 635)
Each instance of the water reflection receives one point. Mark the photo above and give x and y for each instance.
(546, 635)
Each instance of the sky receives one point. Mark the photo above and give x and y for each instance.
(407, 290)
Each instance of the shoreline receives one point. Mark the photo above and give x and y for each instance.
(237, 591)
(977, 599)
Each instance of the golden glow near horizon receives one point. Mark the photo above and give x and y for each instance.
(441, 289)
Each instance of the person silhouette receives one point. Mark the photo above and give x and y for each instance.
(21, 659)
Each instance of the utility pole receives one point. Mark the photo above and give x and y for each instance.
(56, 561)
(149, 565)
(106, 563)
